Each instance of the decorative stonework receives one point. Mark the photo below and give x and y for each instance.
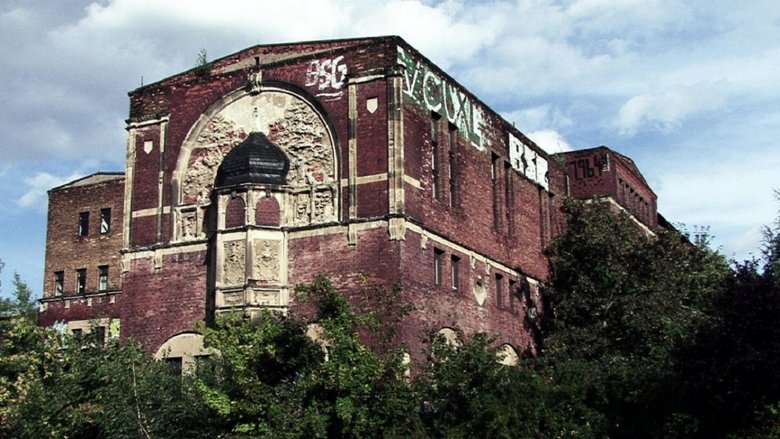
(233, 272)
(289, 122)
(302, 134)
(302, 209)
(188, 225)
(266, 264)
(214, 142)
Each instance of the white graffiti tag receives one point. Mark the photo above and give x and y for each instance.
(328, 75)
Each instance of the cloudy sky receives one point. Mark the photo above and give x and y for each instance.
(689, 89)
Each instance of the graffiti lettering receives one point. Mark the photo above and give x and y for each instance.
(426, 88)
(328, 75)
(583, 170)
(527, 162)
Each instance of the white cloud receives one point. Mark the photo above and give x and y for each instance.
(37, 186)
(667, 110)
(551, 141)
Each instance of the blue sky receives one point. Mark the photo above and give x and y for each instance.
(688, 89)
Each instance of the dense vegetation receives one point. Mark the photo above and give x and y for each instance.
(644, 337)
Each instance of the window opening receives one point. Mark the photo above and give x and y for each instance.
(438, 257)
(435, 165)
(494, 177)
(103, 278)
(508, 201)
(453, 165)
(99, 333)
(81, 280)
(105, 220)
(59, 282)
(455, 273)
(500, 291)
(513, 296)
(83, 223)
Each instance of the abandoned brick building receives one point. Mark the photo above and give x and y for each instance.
(358, 159)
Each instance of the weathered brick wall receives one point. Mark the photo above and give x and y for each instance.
(66, 251)
(160, 302)
(604, 173)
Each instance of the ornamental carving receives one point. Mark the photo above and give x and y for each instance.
(302, 134)
(188, 225)
(323, 206)
(289, 122)
(233, 272)
(214, 142)
(266, 264)
(302, 209)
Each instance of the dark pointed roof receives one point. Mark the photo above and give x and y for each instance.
(255, 160)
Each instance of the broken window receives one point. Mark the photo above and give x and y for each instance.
(438, 259)
(59, 282)
(83, 223)
(81, 280)
(105, 220)
(455, 272)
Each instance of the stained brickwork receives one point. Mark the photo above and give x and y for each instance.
(397, 175)
(84, 232)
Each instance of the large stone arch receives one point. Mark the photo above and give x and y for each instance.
(292, 121)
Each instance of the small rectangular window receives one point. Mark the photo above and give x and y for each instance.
(438, 259)
(105, 220)
(103, 278)
(494, 177)
(83, 223)
(81, 280)
(455, 273)
(453, 164)
(76, 331)
(500, 291)
(59, 282)
(513, 296)
(435, 165)
(175, 364)
(99, 332)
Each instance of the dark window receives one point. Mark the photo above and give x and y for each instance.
(494, 177)
(500, 291)
(435, 165)
(455, 273)
(99, 332)
(84, 224)
(81, 280)
(438, 259)
(175, 363)
(508, 201)
(76, 332)
(59, 282)
(453, 164)
(103, 278)
(513, 296)
(105, 220)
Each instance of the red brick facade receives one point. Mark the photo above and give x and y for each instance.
(84, 234)
(397, 174)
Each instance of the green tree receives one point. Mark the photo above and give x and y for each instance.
(620, 305)
(731, 375)
(272, 380)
